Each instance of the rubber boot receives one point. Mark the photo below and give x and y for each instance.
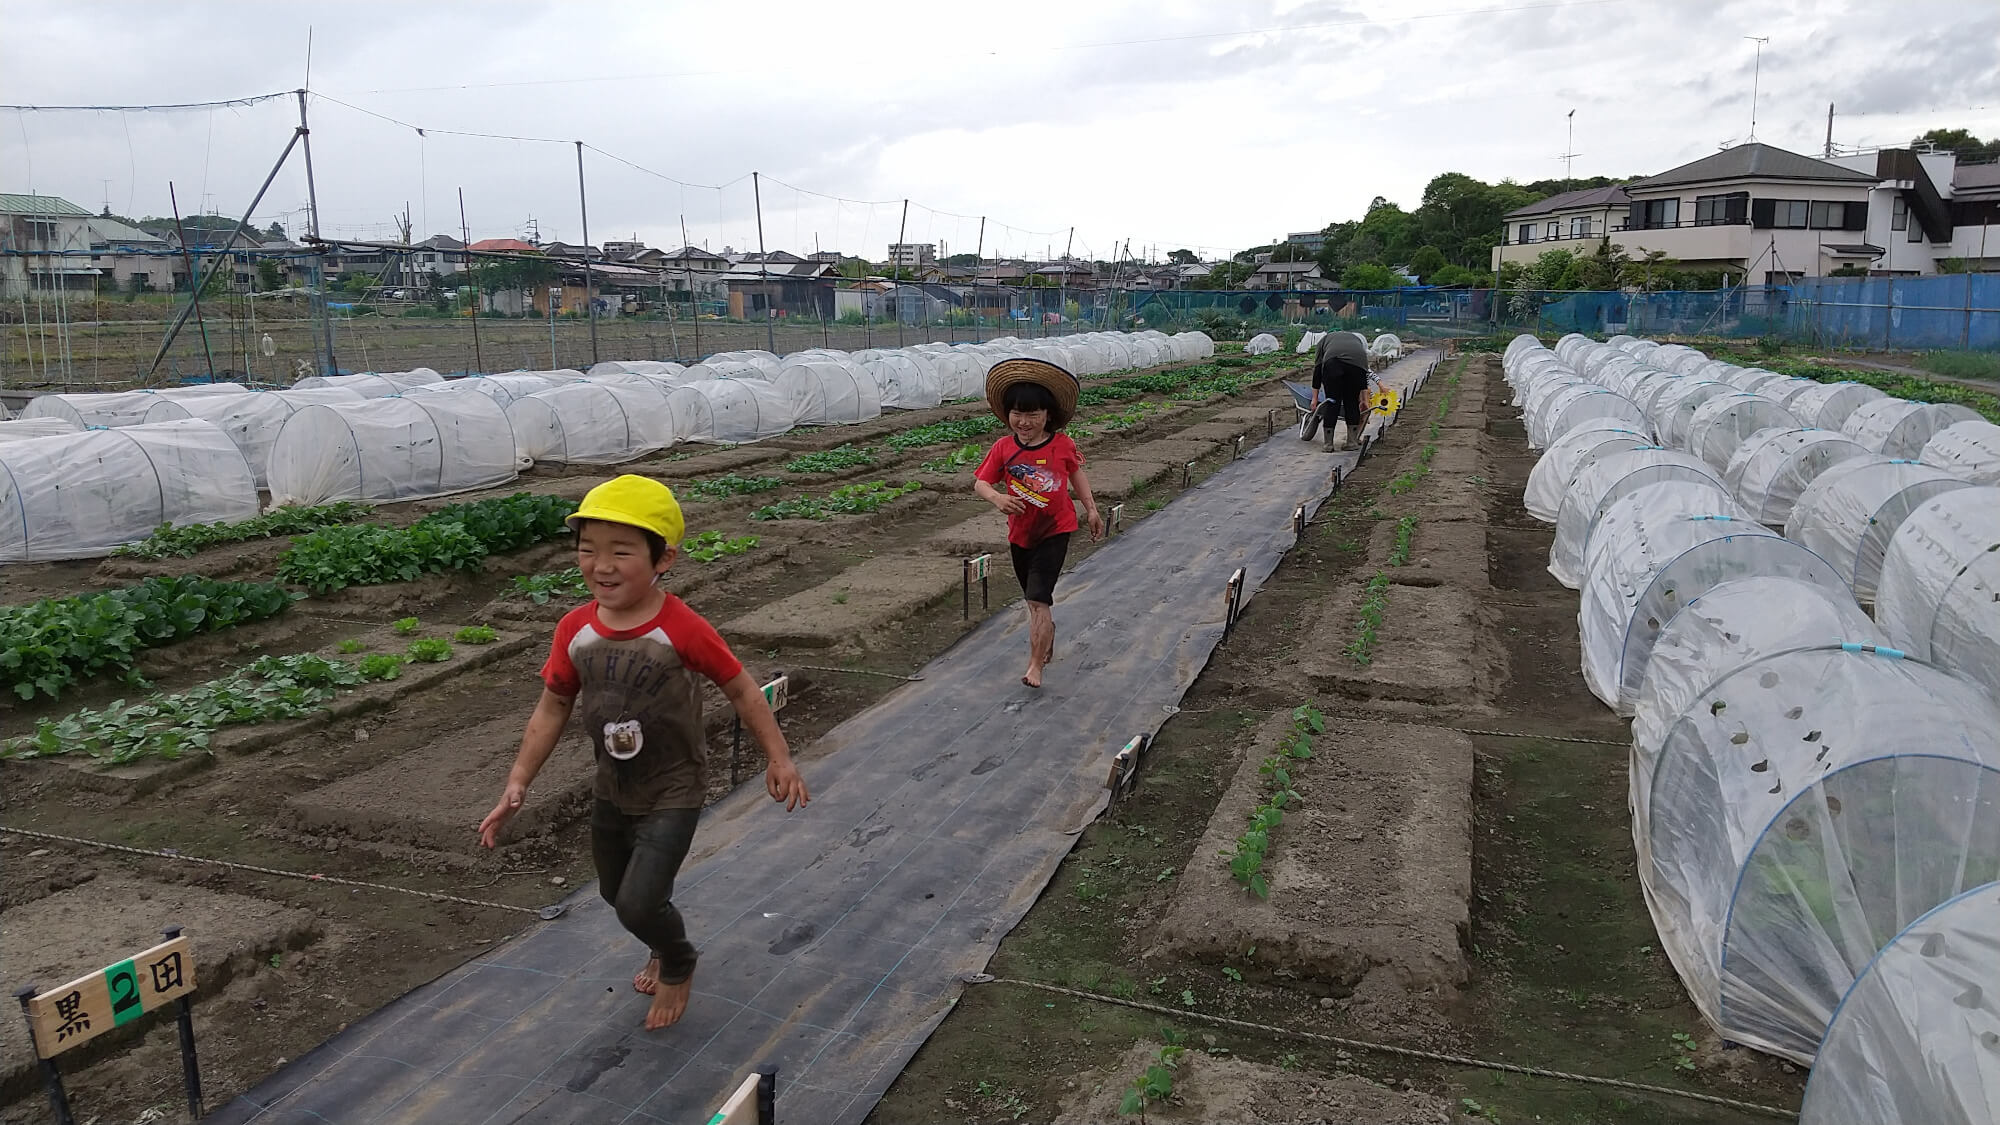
(1336, 437)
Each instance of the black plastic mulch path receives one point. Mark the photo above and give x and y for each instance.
(835, 939)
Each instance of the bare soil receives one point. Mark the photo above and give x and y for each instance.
(1215, 1089)
(387, 787)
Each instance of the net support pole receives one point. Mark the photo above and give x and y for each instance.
(312, 219)
(687, 271)
(589, 298)
(764, 268)
(978, 262)
(195, 280)
(465, 233)
(902, 232)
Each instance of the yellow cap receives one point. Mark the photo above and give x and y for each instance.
(636, 501)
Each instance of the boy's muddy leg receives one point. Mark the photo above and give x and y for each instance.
(638, 858)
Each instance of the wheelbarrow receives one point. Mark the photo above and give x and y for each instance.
(1383, 400)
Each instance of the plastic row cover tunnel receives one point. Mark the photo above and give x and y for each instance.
(79, 495)
(252, 420)
(1915, 1039)
(1656, 550)
(732, 411)
(395, 448)
(374, 384)
(118, 408)
(1802, 810)
(1939, 596)
(1770, 470)
(1850, 511)
(594, 423)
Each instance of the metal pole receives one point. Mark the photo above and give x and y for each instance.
(589, 299)
(194, 280)
(51, 1076)
(687, 270)
(465, 232)
(312, 226)
(190, 1066)
(764, 269)
(902, 231)
(1062, 286)
(979, 262)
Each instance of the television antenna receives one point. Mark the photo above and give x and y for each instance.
(1569, 152)
(1756, 73)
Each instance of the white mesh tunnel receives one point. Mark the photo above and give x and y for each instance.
(1720, 425)
(21, 429)
(1914, 1039)
(504, 389)
(1583, 404)
(1733, 624)
(1852, 510)
(395, 448)
(829, 392)
(1549, 481)
(1673, 409)
(374, 384)
(1654, 552)
(111, 409)
(79, 495)
(732, 411)
(905, 383)
(1770, 470)
(251, 420)
(1895, 428)
(591, 423)
(1262, 343)
(1828, 405)
(1602, 483)
(1805, 809)
(653, 367)
(1967, 449)
(1939, 596)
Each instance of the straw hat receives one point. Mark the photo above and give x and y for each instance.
(1059, 383)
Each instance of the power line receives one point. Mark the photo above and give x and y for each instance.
(251, 100)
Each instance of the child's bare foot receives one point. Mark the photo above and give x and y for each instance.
(647, 979)
(1033, 677)
(669, 1004)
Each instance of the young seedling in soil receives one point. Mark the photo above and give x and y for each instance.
(564, 585)
(1156, 1085)
(1246, 863)
(406, 626)
(430, 650)
(351, 645)
(476, 635)
(1374, 599)
(711, 545)
(1405, 529)
(831, 460)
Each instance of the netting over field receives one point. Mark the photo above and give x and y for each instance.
(395, 448)
(78, 495)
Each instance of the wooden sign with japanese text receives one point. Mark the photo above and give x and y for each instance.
(89, 1006)
(778, 692)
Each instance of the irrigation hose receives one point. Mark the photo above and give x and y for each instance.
(1391, 1049)
(546, 913)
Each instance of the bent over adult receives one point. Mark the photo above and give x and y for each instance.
(1340, 375)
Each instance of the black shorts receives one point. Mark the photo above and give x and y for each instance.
(1036, 567)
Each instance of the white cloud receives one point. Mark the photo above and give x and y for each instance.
(1172, 123)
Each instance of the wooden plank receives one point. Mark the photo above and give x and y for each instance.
(741, 1108)
(91, 1005)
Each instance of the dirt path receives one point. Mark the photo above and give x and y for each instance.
(1554, 964)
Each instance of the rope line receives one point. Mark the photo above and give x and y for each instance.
(163, 853)
(1391, 1049)
(855, 672)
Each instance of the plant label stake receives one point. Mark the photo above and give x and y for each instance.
(754, 1101)
(1270, 422)
(1238, 452)
(112, 997)
(976, 567)
(1187, 473)
(777, 693)
(1117, 518)
(1299, 522)
(1125, 768)
(1232, 602)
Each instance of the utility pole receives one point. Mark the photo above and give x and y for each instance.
(583, 205)
(1828, 154)
(1756, 74)
(687, 271)
(764, 268)
(1062, 288)
(979, 263)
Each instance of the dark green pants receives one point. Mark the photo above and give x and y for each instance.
(638, 858)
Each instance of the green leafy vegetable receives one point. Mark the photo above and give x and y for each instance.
(476, 635)
(169, 541)
(848, 499)
(710, 546)
(430, 650)
(830, 460)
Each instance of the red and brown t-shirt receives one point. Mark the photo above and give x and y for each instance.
(636, 693)
(1038, 474)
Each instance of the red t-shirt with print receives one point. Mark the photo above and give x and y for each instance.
(636, 692)
(1038, 474)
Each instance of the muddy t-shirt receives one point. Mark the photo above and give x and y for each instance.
(636, 692)
(1038, 474)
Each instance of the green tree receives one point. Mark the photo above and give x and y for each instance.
(269, 277)
(1367, 275)
(962, 260)
(1183, 257)
(274, 231)
(1960, 141)
(1426, 262)
(1454, 274)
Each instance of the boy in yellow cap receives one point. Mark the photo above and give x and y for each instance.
(628, 661)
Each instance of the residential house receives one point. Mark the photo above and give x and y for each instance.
(127, 258)
(1066, 275)
(623, 249)
(1927, 209)
(1288, 275)
(1311, 241)
(1572, 220)
(1193, 271)
(573, 250)
(780, 288)
(44, 245)
(440, 254)
(694, 274)
(911, 255)
(503, 246)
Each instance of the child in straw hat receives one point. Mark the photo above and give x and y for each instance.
(1029, 474)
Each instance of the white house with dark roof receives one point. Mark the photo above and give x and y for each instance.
(1926, 209)
(1573, 220)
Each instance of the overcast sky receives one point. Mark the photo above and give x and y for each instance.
(1214, 124)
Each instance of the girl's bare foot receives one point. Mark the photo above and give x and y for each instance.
(647, 979)
(669, 1004)
(1033, 678)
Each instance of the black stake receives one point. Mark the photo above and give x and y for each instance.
(767, 1094)
(190, 1067)
(51, 1077)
